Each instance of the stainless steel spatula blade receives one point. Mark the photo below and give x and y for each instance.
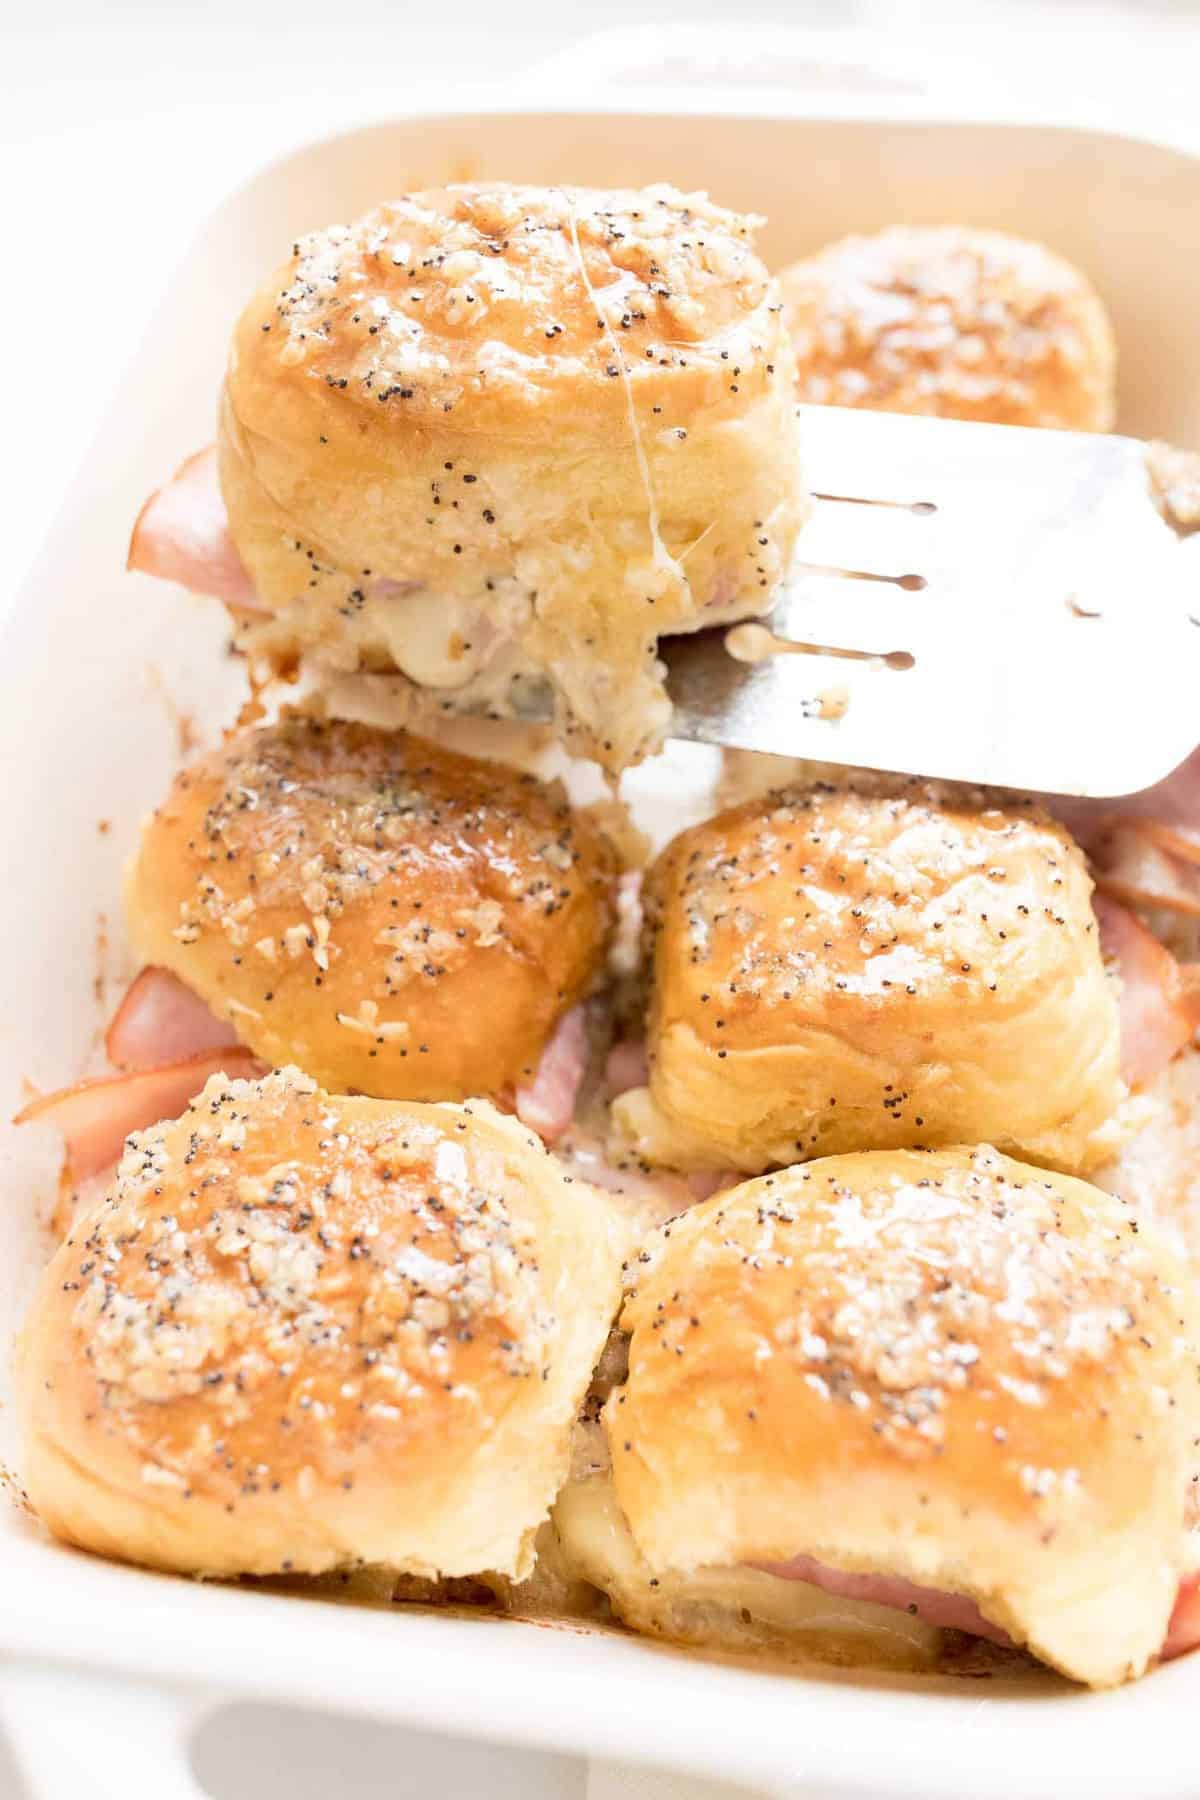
(981, 602)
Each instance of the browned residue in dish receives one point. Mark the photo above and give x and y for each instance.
(264, 684)
(16, 1494)
(100, 968)
(187, 736)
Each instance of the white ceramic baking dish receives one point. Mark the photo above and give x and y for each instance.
(99, 666)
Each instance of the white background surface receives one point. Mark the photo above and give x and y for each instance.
(122, 122)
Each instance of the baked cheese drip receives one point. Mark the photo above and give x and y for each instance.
(501, 439)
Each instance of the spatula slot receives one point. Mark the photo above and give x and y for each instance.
(922, 508)
(911, 583)
(756, 643)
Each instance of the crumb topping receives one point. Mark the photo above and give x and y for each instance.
(908, 1286)
(439, 294)
(318, 841)
(970, 325)
(274, 1282)
(817, 896)
(556, 365)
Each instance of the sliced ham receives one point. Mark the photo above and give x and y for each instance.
(547, 1103)
(704, 1183)
(161, 1020)
(1130, 861)
(1158, 1004)
(952, 1612)
(97, 1116)
(182, 534)
(627, 1067)
(1145, 847)
(1183, 1632)
(1177, 840)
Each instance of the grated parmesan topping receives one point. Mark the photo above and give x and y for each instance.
(811, 893)
(437, 295)
(964, 324)
(911, 1283)
(242, 1315)
(317, 839)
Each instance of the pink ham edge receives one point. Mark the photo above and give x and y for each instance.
(182, 534)
(547, 1103)
(627, 1066)
(96, 1117)
(952, 1612)
(704, 1183)
(161, 1020)
(1157, 1004)
(1183, 1632)
(1145, 847)
(1130, 862)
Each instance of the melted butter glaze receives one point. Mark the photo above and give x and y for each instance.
(824, 897)
(439, 293)
(962, 324)
(347, 896)
(841, 968)
(1015, 1333)
(279, 1290)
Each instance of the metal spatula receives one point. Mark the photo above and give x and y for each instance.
(982, 602)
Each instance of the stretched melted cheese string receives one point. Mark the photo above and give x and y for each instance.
(662, 556)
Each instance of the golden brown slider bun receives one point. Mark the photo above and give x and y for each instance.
(947, 1368)
(304, 1331)
(499, 437)
(842, 970)
(740, 1609)
(963, 323)
(1157, 1168)
(394, 917)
